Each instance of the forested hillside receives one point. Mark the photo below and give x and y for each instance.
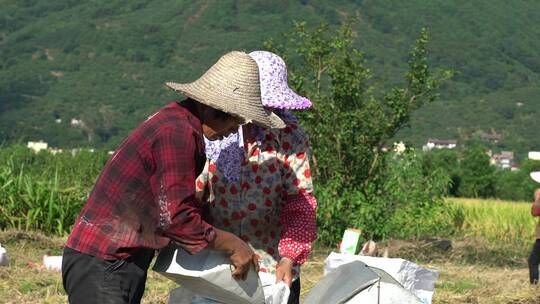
(104, 61)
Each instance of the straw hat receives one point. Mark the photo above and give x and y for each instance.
(536, 176)
(232, 86)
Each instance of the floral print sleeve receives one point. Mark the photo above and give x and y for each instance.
(293, 154)
(299, 221)
(298, 216)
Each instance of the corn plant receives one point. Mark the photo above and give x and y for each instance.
(43, 191)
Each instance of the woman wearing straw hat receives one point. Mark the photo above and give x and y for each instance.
(258, 181)
(145, 195)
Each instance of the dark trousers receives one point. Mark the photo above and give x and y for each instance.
(294, 296)
(88, 279)
(534, 261)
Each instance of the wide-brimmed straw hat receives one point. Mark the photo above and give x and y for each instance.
(535, 156)
(275, 90)
(232, 85)
(536, 176)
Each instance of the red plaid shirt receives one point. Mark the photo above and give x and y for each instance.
(144, 196)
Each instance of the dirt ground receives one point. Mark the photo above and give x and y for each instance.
(460, 280)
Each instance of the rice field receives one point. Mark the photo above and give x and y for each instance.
(499, 222)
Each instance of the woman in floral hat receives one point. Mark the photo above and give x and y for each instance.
(258, 181)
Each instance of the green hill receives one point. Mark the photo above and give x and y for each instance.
(104, 62)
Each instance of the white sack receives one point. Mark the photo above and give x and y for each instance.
(209, 274)
(274, 293)
(52, 262)
(418, 280)
(382, 292)
(4, 261)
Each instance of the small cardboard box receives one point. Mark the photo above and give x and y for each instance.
(351, 241)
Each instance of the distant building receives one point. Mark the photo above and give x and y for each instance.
(76, 151)
(503, 160)
(399, 147)
(492, 137)
(439, 144)
(55, 151)
(76, 122)
(534, 155)
(37, 145)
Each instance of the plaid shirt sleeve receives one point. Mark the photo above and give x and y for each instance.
(180, 218)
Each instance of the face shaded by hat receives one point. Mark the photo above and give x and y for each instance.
(232, 85)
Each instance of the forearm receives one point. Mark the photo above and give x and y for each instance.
(223, 241)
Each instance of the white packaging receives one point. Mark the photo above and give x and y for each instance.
(52, 262)
(387, 293)
(4, 261)
(274, 293)
(418, 280)
(209, 274)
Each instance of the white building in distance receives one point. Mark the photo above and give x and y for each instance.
(37, 145)
(439, 144)
(503, 160)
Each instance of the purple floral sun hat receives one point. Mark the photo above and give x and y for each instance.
(275, 91)
(228, 153)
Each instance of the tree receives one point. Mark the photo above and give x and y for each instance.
(517, 185)
(478, 176)
(351, 123)
(352, 120)
(446, 160)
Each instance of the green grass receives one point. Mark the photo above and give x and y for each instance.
(459, 286)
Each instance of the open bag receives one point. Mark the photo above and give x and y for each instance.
(209, 274)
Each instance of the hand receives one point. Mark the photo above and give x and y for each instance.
(243, 258)
(241, 255)
(284, 271)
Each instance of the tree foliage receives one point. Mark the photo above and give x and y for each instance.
(352, 119)
(472, 175)
(352, 123)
